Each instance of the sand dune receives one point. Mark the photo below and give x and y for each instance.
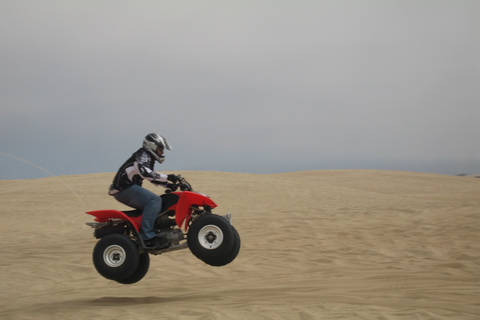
(342, 244)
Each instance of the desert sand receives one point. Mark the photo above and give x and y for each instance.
(333, 244)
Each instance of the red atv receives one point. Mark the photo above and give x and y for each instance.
(121, 254)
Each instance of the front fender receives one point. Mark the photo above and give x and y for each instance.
(183, 211)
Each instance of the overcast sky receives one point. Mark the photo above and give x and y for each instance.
(243, 86)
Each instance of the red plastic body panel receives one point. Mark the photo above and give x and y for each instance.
(182, 208)
(105, 215)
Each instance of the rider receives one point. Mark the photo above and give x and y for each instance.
(127, 186)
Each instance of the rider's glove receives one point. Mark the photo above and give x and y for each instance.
(173, 178)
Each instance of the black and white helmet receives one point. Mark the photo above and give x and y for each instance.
(152, 142)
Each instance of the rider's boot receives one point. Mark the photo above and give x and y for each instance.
(157, 243)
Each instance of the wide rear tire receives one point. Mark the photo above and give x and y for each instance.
(116, 257)
(142, 269)
(213, 240)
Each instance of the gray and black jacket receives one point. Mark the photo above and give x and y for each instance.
(138, 167)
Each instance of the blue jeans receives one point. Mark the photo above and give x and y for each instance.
(145, 200)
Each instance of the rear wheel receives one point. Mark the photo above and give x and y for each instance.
(140, 272)
(116, 257)
(213, 240)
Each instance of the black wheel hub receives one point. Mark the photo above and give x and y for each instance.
(211, 237)
(116, 257)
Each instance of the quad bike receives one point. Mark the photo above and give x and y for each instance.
(121, 254)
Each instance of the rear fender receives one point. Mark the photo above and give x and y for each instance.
(183, 211)
(105, 215)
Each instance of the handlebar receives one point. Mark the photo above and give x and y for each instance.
(181, 183)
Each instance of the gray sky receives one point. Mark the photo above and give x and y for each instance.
(244, 86)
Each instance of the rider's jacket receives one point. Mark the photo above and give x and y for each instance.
(138, 167)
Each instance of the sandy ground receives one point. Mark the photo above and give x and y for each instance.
(342, 244)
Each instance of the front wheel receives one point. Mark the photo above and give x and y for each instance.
(115, 257)
(213, 240)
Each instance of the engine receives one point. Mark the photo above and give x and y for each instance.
(164, 221)
(173, 235)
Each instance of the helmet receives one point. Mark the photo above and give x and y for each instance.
(152, 142)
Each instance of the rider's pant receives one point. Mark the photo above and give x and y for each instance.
(145, 200)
